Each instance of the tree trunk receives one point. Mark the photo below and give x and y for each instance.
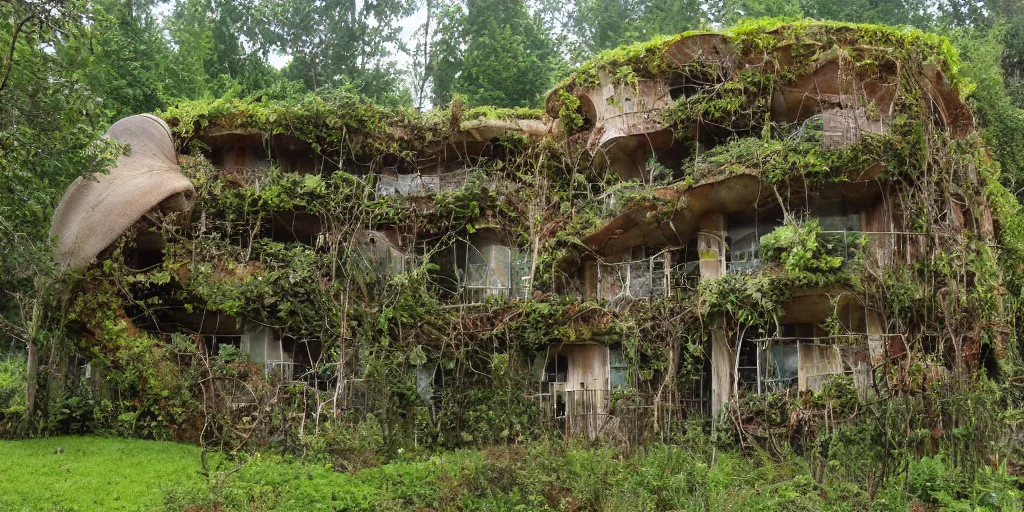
(32, 369)
(30, 384)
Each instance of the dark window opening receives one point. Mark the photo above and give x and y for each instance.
(557, 369)
(215, 344)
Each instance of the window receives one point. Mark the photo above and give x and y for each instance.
(557, 369)
(619, 372)
(213, 343)
(781, 365)
(489, 269)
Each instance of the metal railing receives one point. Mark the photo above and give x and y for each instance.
(651, 277)
(848, 245)
(282, 370)
(575, 411)
(417, 185)
(835, 355)
(480, 294)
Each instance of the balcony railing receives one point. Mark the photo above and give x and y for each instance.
(417, 185)
(806, 363)
(848, 245)
(282, 370)
(656, 276)
(480, 294)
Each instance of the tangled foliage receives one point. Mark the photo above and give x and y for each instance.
(399, 363)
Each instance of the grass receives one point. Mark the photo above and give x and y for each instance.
(109, 474)
(93, 473)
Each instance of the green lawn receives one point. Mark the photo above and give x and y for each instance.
(93, 473)
(110, 474)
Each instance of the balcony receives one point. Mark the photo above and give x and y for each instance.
(882, 247)
(486, 266)
(803, 363)
(421, 185)
(666, 273)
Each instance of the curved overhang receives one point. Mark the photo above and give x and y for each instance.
(221, 137)
(673, 218)
(816, 305)
(96, 210)
(482, 130)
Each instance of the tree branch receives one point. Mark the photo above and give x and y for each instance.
(14, 44)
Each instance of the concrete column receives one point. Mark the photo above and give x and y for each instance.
(723, 370)
(711, 245)
(590, 291)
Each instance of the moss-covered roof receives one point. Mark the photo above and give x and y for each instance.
(757, 38)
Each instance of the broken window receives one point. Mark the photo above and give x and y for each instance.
(264, 345)
(394, 184)
(383, 256)
(215, 344)
(488, 272)
(781, 363)
(488, 267)
(638, 277)
(685, 272)
(618, 371)
(695, 380)
(802, 358)
(744, 238)
(390, 183)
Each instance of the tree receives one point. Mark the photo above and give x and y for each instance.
(733, 11)
(210, 57)
(603, 24)
(508, 58)
(446, 52)
(120, 58)
(916, 13)
(339, 42)
(50, 122)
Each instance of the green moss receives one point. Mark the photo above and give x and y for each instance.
(742, 103)
(801, 249)
(644, 59)
(783, 161)
(754, 39)
(570, 114)
(504, 114)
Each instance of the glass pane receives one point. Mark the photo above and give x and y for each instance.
(425, 380)
(640, 279)
(501, 262)
(257, 345)
(618, 378)
(615, 359)
(431, 183)
(476, 268)
(785, 362)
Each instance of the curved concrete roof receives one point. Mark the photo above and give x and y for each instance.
(96, 210)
